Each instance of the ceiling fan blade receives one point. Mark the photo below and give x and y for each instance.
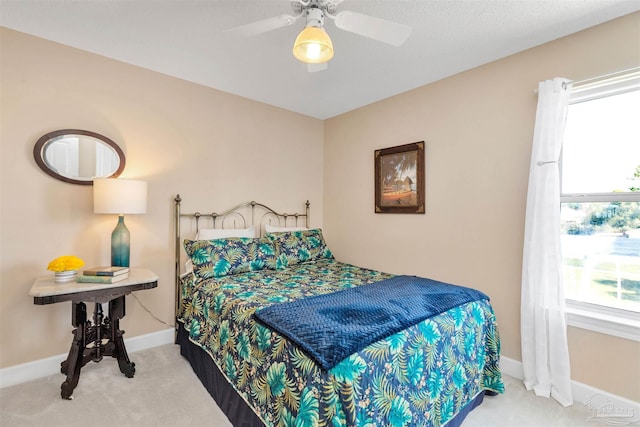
(262, 26)
(313, 68)
(375, 28)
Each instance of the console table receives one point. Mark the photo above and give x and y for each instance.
(92, 340)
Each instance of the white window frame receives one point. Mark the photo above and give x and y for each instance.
(580, 314)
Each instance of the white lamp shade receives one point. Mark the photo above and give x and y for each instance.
(119, 196)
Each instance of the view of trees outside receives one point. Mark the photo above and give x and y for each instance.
(601, 251)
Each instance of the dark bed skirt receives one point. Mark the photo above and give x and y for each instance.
(230, 402)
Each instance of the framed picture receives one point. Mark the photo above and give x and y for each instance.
(399, 179)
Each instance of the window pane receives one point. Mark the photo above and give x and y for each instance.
(601, 253)
(601, 148)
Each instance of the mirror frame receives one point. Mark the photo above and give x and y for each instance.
(45, 140)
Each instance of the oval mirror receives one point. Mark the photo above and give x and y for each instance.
(78, 156)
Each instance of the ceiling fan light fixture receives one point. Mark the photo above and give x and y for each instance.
(313, 46)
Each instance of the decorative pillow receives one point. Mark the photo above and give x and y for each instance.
(224, 257)
(223, 233)
(296, 247)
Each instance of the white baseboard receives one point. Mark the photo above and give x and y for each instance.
(51, 365)
(596, 400)
(511, 367)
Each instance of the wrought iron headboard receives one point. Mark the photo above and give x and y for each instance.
(241, 216)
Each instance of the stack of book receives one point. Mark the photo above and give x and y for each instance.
(103, 275)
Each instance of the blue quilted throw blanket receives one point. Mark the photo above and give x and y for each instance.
(331, 327)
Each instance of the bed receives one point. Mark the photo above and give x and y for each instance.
(250, 268)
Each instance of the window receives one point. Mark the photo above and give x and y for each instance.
(600, 204)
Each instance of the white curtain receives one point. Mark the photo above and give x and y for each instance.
(545, 354)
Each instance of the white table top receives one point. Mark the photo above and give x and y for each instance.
(46, 286)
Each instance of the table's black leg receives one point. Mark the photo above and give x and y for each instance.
(72, 365)
(98, 318)
(117, 312)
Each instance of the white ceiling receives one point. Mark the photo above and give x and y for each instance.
(185, 39)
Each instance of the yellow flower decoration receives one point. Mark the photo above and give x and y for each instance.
(65, 263)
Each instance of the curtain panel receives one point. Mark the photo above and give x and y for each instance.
(545, 353)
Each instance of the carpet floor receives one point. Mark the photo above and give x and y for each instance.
(166, 392)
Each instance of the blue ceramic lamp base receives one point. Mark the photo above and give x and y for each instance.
(120, 244)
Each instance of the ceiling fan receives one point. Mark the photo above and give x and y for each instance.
(313, 45)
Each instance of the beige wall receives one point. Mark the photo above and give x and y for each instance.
(478, 128)
(209, 146)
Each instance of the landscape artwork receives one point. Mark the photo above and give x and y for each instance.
(399, 175)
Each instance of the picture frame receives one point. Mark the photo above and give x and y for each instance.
(399, 179)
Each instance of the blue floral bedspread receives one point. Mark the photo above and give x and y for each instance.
(421, 376)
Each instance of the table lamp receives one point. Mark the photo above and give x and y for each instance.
(119, 196)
